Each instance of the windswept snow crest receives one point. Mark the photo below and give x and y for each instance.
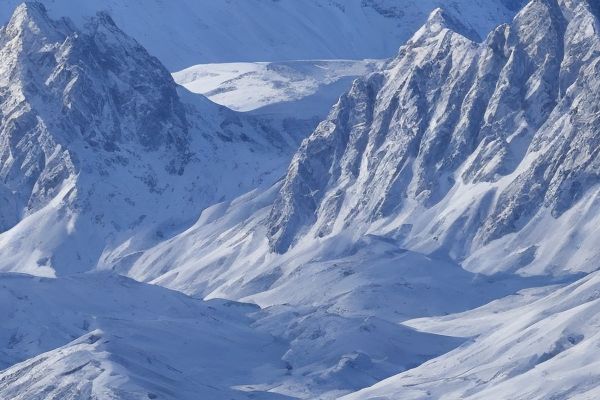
(293, 96)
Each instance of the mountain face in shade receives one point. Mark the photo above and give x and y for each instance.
(104, 336)
(98, 144)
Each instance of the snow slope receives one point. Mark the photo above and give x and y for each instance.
(544, 347)
(182, 33)
(254, 86)
(334, 299)
(108, 337)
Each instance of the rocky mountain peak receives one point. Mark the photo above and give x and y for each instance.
(30, 20)
(79, 99)
(477, 137)
(439, 21)
(95, 128)
(31, 15)
(95, 88)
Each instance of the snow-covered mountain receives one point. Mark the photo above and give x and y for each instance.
(472, 151)
(461, 173)
(421, 155)
(99, 147)
(182, 33)
(478, 154)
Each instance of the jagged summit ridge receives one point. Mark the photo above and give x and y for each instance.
(82, 64)
(30, 17)
(481, 138)
(75, 93)
(97, 139)
(440, 20)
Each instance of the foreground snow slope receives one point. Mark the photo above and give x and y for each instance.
(338, 301)
(108, 337)
(540, 348)
(182, 33)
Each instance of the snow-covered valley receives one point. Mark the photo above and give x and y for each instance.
(420, 227)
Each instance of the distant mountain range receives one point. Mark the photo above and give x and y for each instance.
(182, 33)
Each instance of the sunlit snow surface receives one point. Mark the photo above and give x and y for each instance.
(541, 344)
(256, 86)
